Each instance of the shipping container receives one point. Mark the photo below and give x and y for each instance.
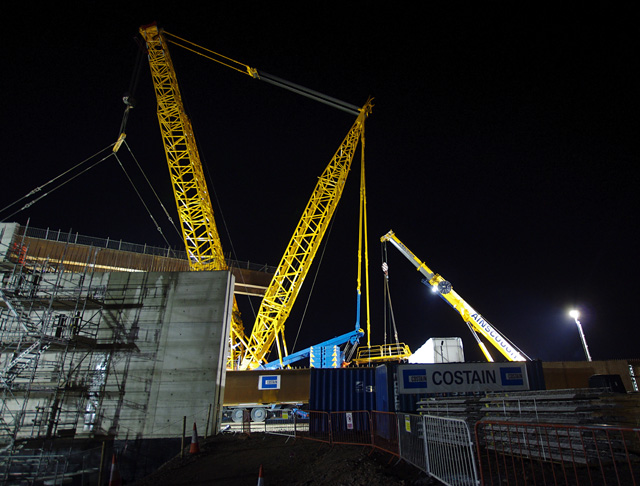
(399, 387)
(439, 350)
(342, 389)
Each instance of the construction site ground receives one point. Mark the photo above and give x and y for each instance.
(235, 459)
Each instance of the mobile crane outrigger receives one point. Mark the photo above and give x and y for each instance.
(473, 319)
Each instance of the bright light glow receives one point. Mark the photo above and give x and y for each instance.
(434, 289)
(574, 313)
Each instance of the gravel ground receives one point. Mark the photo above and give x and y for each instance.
(236, 460)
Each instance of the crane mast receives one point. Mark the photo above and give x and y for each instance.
(471, 317)
(199, 231)
(294, 265)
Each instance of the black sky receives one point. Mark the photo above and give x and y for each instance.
(501, 149)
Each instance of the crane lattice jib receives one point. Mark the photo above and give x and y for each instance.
(201, 237)
(292, 270)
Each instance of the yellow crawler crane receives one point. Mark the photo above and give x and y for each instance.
(476, 323)
(201, 238)
(294, 266)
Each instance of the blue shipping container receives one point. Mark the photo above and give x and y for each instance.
(342, 389)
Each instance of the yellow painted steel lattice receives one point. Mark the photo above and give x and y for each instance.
(294, 265)
(201, 237)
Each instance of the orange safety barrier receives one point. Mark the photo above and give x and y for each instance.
(541, 454)
(385, 432)
(351, 427)
(316, 427)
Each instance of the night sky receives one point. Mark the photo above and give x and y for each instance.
(501, 150)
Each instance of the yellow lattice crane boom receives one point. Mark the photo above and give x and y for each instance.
(294, 265)
(201, 237)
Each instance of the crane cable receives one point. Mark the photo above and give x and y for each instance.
(315, 277)
(223, 219)
(266, 77)
(169, 218)
(128, 97)
(40, 188)
(387, 298)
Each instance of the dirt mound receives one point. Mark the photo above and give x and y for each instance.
(236, 459)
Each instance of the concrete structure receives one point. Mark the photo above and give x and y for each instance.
(91, 354)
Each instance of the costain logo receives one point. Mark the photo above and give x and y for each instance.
(511, 376)
(269, 382)
(415, 378)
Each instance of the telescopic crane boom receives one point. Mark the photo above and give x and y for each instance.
(471, 317)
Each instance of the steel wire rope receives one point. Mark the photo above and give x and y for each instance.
(393, 318)
(166, 212)
(315, 277)
(387, 294)
(222, 217)
(39, 188)
(268, 78)
(385, 269)
(272, 80)
(128, 97)
(247, 69)
(202, 157)
(205, 165)
(158, 228)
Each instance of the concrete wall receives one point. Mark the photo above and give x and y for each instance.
(179, 323)
(137, 352)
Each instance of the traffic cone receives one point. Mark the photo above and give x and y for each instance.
(195, 448)
(114, 476)
(260, 478)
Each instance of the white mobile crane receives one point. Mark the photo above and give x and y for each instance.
(473, 319)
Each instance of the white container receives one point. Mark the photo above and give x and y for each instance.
(439, 350)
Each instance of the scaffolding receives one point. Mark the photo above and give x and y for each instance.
(61, 337)
(82, 321)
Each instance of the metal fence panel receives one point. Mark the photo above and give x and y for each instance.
(532, 453)
(351, 427)
(411, 441)
(316, 427)
(281, 422)
(385, 431)
(450, 454)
